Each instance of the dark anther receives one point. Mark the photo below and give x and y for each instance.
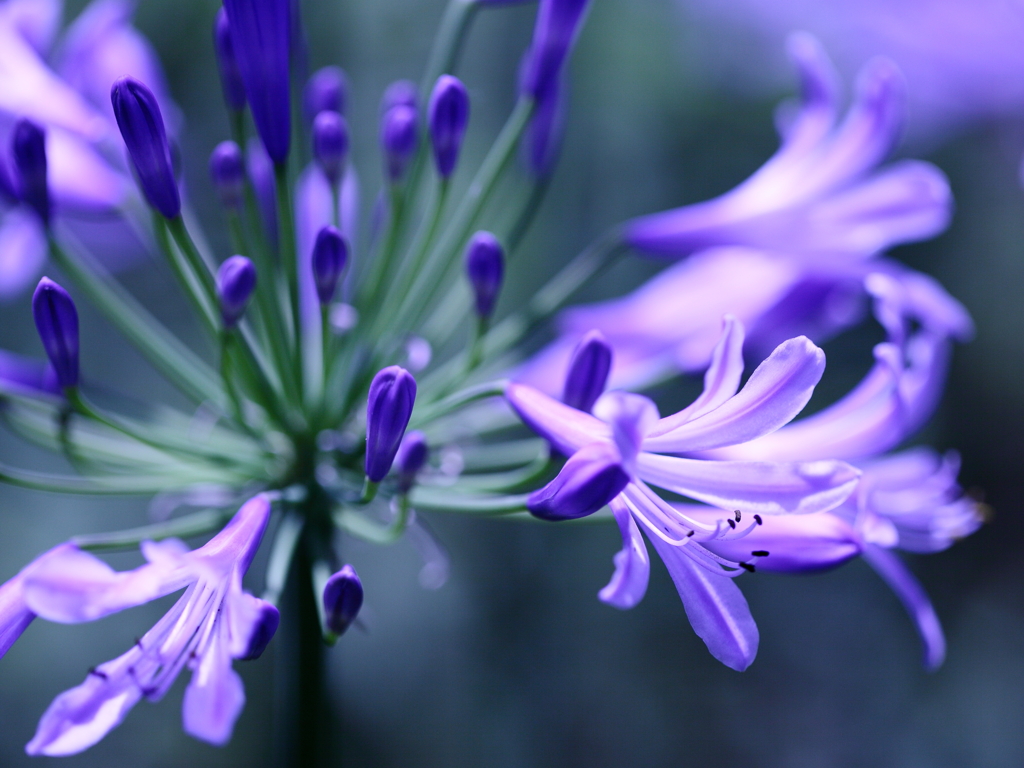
(731, 522)
(747, 567)
(100, 675)
(738, 516)
(138, 642)
(760, 553)
(689, 534)
(757, 519)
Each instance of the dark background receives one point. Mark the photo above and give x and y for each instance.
(514, 662)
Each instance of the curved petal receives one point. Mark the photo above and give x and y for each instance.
(628, 584)
(78, 177)
(35, 20)
(776, 392)
(910, 592)
(717, 610)
(215, 696)
(14, 614)
(754, 487)
(22, 250)
(565, 428)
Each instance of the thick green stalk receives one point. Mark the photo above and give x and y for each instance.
(187, 278)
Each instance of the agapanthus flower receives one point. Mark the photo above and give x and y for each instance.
(647, 449)
(212, 623)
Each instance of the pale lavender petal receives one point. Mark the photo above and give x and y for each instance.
(215, 696)
(14, 614)
(910, 592)
(79, 178)
(565, 428)
(717, 610)
(632, 563)
(819, 95)
(238, 541)
(784, 543)
(82, 716)
(767, 488)
(22, 250)
(35, 20)
(775, 392)
(630, 417)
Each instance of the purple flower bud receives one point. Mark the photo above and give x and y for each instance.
(142, 127)
(401, 93)
(330, 254)
(399, 133)
(388, 408)
(236, 280)
(485, 267)
(330, 144)
(227, 169)
(447, 115)
(260, 37)
(558, 22)
(343, 597)
(264, 629)
(230, 77)
(412, 455)
(588, 372)
(326, 90)
(591, 478)
(57, 322)
(30, 158)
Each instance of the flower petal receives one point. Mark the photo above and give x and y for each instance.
(717, 610)
(910, 592)
(22, 250)
(754, 487)
(632, 563)
(14, 614)
(215, 696)
(565, 428)
(776, 392)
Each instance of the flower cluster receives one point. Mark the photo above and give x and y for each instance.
(329, 413)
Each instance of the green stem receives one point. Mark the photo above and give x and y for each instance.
(286, 229)
(358, 525)
(436, 410)
(187, 278)
(185, 527)
(169, 355)
(202, 270)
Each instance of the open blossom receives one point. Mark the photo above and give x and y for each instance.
(787, 251)
(628, 427)
(211, 624)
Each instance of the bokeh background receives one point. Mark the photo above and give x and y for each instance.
(514, 662)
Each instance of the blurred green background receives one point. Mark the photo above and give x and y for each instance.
(514, 662)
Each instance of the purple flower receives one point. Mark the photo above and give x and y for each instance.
(260, 34)
(399, 134)
(330, 254)
(447, 117)
(388, 409)
(820, 192)
(401, 93)
(142, 127)
(211, 624)
(343, 597)
(330, 144)
(227, 65)
(589, 367)
(57, 322)
(29, 152)
(326, 91)
(485, 268)
(558, 23)
(236, 281)
(227, 170)
(26, 375)
(721, 416)
(411, 457)
(591, 478)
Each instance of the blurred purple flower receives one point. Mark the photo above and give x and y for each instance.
(211, 624)
(648, 448)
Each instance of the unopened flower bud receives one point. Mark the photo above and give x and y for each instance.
(230, 77)
(236, 280)
(268, 619)
(398, 136)
(412, 455)
(142, 127)
(343, 597)
(261, 39)
(588, 372)
(326, 90)
(388, 409)
(485, 268)
(29, 147)
(591, 478)
(558, 22)
(330, 144)
(57, 322)
(447, 116)
(227, 169)
(330, 254)
(401, 93)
